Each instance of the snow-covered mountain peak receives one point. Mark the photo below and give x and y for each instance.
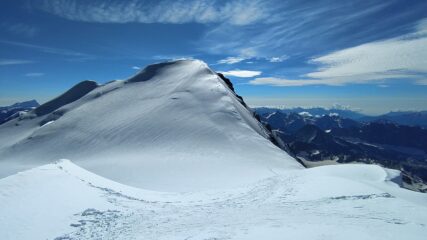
(162, 129)
(162, 68)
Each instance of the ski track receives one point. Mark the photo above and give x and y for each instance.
(266, 204)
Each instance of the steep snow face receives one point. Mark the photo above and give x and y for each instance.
(64, 201)
(173, 126)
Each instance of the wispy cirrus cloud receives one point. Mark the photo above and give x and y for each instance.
(34, 74)
(5, 62)
(172, 57)
(281, 82)
(293, 27)
(20, 29)
(231, 60)
(238, 59)
(403, 57)
(240, 12)
(242, 73)
(393, 56)
(45, 49)
(338, 81)
(422, 82)
(278, 59)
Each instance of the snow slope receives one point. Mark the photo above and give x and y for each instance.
(174, 126)
(330, 202)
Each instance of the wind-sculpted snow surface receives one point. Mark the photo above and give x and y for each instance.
(174, 126)
(63, 201)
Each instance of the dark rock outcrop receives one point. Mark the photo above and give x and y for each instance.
(75, 93)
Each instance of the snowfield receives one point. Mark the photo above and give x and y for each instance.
(64, 201)
(172, 153)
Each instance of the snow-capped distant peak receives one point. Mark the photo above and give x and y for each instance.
(305, 114)
(270, 115)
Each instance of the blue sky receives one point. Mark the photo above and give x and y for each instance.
(368, 55)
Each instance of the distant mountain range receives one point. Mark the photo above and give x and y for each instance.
(410, 118)
(404, 118)
(315, 111)
(330, 138)
(12, 111)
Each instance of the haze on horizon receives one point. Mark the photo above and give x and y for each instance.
(368, 55)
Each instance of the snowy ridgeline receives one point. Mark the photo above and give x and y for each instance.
(64, 201)
(203, 166)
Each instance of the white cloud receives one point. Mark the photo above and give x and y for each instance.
(280, 82)
(251, 54)
(34, 74)
(278, 59)
(136, 68)
(231, 60)
(238, 12)
(333, 81)
(294, 28)
(5, 62)
(242, 73)
(20, 29)
(422, 27)
(421, 82)
(172, 57)
(394, 56)
(58, 51)
(403, 57)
